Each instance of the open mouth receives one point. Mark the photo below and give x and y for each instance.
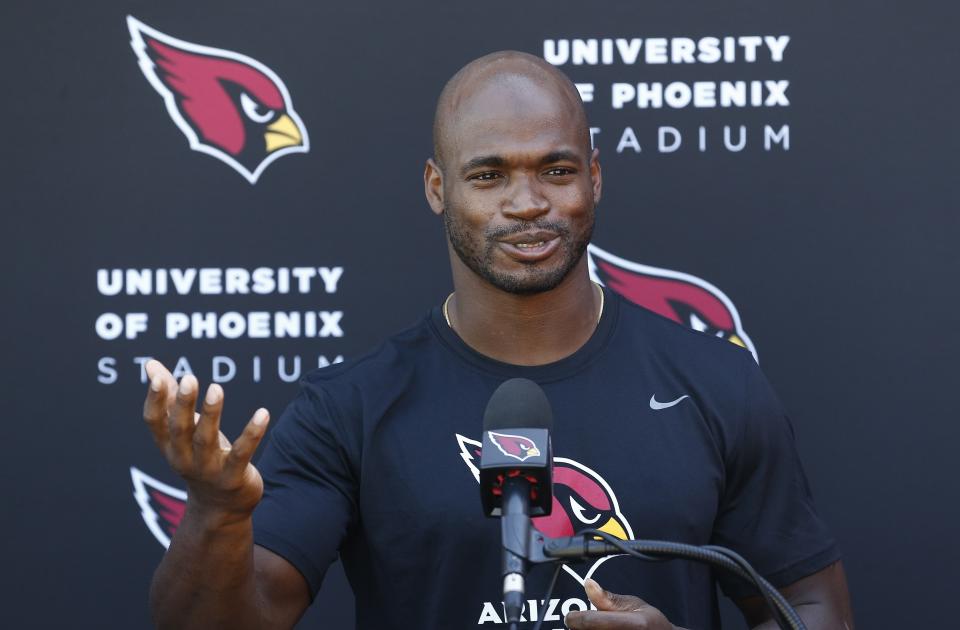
(530, 248)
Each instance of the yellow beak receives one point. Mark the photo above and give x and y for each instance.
(282, 132)
(614, 528)
(533, 451)
(734, 338)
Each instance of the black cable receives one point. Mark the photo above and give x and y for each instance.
(717, 556)
(776, 603)
(774, 600)
(783, 614)
(768, 593)
(669, 548)
(654, 550)
(546, 598)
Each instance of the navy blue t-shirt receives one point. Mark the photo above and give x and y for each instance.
(376, 460)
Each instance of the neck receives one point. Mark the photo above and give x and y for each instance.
(524, 329)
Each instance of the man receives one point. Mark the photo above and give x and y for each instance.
(373, 460)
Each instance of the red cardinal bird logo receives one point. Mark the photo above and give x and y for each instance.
(515, 446)
(581, 499)
(161, 506)
(228, 105)
(684, 298)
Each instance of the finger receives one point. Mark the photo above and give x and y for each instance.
(605, 600)
(156, 372)
(155, 369)
(155, 410)
(245, 445)
(206, 433)
(180, 423)
(222, 440)
(606, 620)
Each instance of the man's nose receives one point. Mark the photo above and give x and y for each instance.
(525, 199)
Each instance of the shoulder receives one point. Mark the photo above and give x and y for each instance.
(722, 377)
(336, 403)
(671, 343)
(377, 375)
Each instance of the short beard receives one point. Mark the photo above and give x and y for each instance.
(530, 281)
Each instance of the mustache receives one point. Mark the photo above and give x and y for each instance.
(494, 233)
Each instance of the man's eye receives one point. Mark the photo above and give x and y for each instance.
(485, 177)
(558, 171)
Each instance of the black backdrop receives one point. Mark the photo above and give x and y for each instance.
(838, 249)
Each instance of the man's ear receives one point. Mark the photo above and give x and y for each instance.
(596, 177)
(433, 186)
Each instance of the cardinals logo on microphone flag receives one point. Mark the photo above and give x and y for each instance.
(518, 447)
(228, 105)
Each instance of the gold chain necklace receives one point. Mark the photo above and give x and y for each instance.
(446, 303)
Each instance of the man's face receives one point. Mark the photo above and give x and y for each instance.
(519, 189)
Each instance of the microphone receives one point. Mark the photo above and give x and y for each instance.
(516, 476)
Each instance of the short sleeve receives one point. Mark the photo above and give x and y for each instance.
(309, 500)
(767, 513)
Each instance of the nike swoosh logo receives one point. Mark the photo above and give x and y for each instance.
(657, 406)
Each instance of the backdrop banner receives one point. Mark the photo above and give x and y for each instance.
(235, 188)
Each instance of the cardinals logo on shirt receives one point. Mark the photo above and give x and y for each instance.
(515, 446)
(581, 499)
(684, 298)
(228, 105)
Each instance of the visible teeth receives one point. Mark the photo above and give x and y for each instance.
(537, 244)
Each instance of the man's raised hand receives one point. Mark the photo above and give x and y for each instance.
(222, 483)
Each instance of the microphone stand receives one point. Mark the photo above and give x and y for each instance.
(514, 527)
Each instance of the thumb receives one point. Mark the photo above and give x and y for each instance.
(605, 600)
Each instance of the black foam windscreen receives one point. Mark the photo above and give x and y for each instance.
(518, 403)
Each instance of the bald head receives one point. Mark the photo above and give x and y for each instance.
(506, 83)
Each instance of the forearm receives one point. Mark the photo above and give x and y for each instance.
(206, 579)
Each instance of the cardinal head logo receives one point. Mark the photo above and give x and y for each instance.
(684, 298)
(582, 499)
(228, 105)
(515, 446)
